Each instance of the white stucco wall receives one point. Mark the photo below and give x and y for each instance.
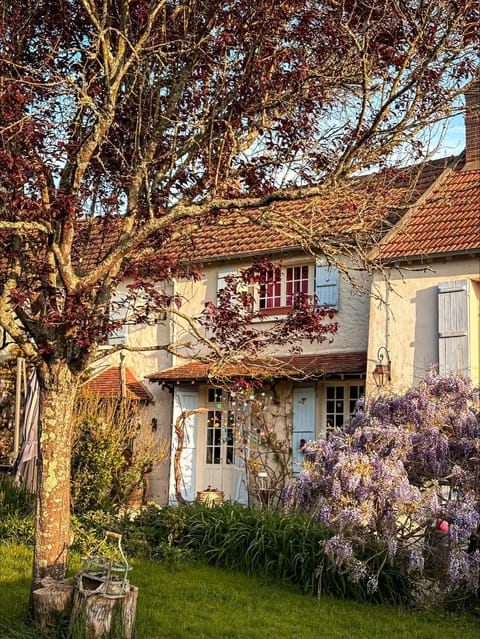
(352, 315)
(404, 317)
(143, 363)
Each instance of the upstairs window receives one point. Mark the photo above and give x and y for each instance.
(284, 284)
(270, 294)
(223, 276)
(296, 281)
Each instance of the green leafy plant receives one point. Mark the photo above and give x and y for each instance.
(113, 452)
(16, 512)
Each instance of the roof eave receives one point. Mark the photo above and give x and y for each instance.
(428, 257)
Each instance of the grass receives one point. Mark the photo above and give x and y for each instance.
(202, 602)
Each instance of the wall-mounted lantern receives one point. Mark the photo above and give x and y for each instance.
(382, 371)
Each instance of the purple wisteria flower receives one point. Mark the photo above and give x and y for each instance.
(402, 477)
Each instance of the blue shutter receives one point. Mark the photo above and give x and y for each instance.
(240, 493)
(326, 286)
(222, 274)
(185, 398)
(453, 343)
(118, 312)
(303, 421)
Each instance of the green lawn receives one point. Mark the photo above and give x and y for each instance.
(201, 602)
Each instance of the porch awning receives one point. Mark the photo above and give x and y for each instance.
(295, 366)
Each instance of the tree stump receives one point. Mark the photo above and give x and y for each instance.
(51, 600)
(98, 615)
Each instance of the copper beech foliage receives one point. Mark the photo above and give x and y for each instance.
(127, 125)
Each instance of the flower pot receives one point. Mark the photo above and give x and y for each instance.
(209, 497)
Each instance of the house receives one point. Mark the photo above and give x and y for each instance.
(229, 440)
(420, 309)
(425, 310)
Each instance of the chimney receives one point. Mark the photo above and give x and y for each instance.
(472, 125)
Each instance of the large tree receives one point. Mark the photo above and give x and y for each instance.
(128, 124)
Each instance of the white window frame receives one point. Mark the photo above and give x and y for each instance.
(284, 302)
(218, 422)
(323, 282)
(347, 400)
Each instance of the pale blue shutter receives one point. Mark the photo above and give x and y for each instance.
(185, 398)
(118, 312)
(326, 286)
(240, 484)
(453, 343)
(303, 421)
(221, 275)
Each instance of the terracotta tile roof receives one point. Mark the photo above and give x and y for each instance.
(296, 366)
(107, 384)
(447, 221)
(367, 205)
(373, 202)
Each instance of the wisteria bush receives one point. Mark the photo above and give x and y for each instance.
(402, 477)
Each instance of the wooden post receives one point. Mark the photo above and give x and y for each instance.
(51, 600)
(97, 615)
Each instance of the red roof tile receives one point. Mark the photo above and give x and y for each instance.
(296, 366)
(108, 384)
(447, 221)
(366, 205)
(372, 202)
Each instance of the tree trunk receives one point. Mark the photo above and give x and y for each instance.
(51, 600)
(52, 515)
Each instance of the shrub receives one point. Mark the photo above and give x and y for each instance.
(16, 512)
(285, 547)
(112, 453)
(403, 480)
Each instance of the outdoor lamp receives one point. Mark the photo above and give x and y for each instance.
(381, 372)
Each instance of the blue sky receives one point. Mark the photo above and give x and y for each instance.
(453, 141)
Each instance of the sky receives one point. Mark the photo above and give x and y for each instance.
(453, 141)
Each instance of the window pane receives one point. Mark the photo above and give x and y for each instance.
(269, 296)
(229, 446)
(335, 407)
(219, 447)
(214, 395)
(356, 392)
(296, 281)
(214, 437)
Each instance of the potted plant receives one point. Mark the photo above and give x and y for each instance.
(210, 496)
